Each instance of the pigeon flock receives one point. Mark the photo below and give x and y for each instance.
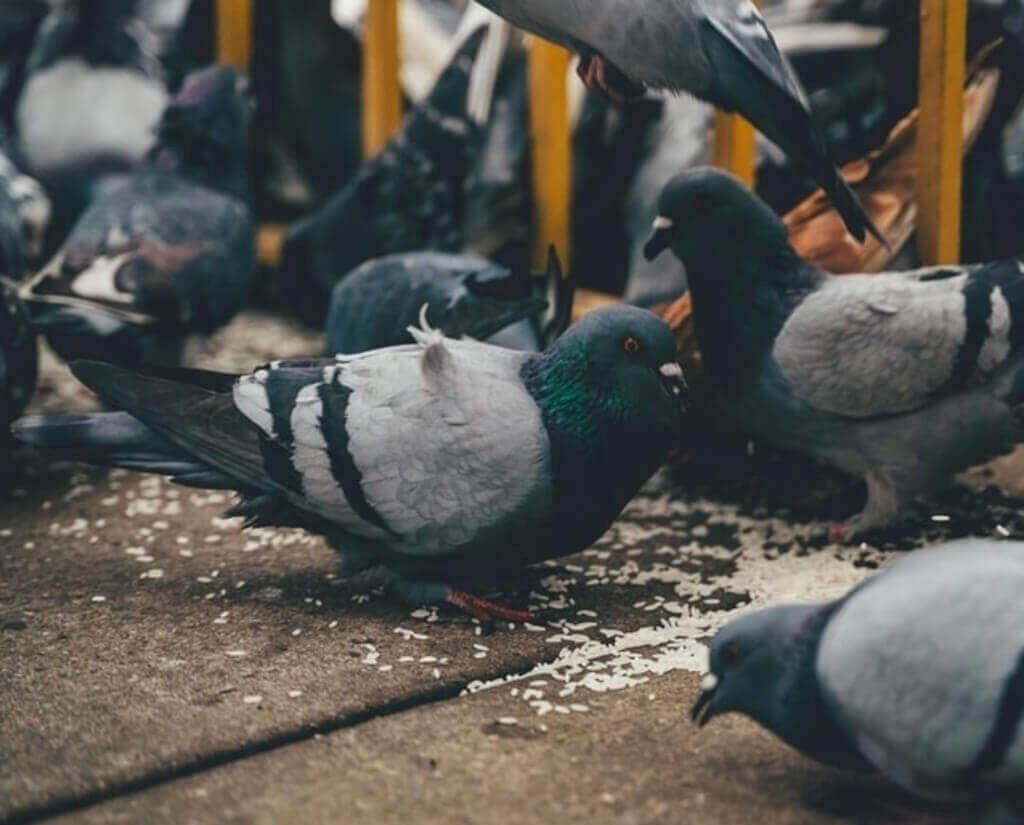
(467, 419)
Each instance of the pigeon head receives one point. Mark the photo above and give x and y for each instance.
(754, 661)
(623, 362)
(204, 131)
(707, 215)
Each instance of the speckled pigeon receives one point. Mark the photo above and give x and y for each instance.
(449, 463)
(718, 50)
(902, 379)
(465, 296)
(917, 673)
(18, 369)
(169, 250)
(93, 95)
(407, 198)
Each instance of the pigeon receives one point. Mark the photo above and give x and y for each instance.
(901, 378)
(166, 252)
(721, 51)
(18, 369)
(93, 94)
(25, 212)
(446, 463)
(917, 673)
(408, 198)
(465, 296)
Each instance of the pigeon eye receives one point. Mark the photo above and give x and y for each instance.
(732, 655)
(631, 345)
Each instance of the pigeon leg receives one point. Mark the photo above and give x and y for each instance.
(882, 509)
(484, 609)
(592, 70)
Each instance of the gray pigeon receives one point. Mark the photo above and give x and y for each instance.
(93, 95)
(902, 379)
(169, 250)
(917, 673)
(464, 295)
(718, 50)
(448, 463)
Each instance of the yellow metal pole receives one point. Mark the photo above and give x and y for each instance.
(735, 146)
(551, 144)
(940, 131)
(234, 33)
(382, 95)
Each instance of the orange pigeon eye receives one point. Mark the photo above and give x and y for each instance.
(631, 345)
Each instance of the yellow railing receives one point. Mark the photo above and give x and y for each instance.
(943, 46)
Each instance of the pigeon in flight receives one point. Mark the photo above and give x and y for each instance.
(720, 51)
(902, 379)
(918, 673)
(448, 463)
(167, 251)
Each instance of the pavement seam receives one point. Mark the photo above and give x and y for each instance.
(73, 803)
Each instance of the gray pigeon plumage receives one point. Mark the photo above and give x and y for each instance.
(169, 250)
(449, 463)
(902, 379)
(718, 50)
(464, 296)
(917, 673)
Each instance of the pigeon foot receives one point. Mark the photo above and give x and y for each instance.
(839, 533)
(485, 610)
(600, 76)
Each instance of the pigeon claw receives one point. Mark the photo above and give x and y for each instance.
(839, 533)
(600, 76)
(485, 610)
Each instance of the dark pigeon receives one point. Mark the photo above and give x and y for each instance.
(902, 379)
(718, 50)
(448, 463)
(918, 673)
(167, 252)
(408, 198)
(464, 296)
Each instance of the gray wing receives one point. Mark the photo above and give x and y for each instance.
(864, 346)
(923, 666)
(423, 448)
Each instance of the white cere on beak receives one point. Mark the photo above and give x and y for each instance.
(661, 222)
(671, 370)
(709, 683)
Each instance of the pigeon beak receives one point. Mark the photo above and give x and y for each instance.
(703, 710)
(661, 238)
(674, 383)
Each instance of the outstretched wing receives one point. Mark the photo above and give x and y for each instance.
(864, 346)
(424, 447)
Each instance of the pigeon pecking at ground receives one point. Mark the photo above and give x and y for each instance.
(902, 379)
(409, 197)
(465, 296)
(93, 95)
(917, 673)
(18, 369)
(448, 463)
(169, 250)
(718, 50)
